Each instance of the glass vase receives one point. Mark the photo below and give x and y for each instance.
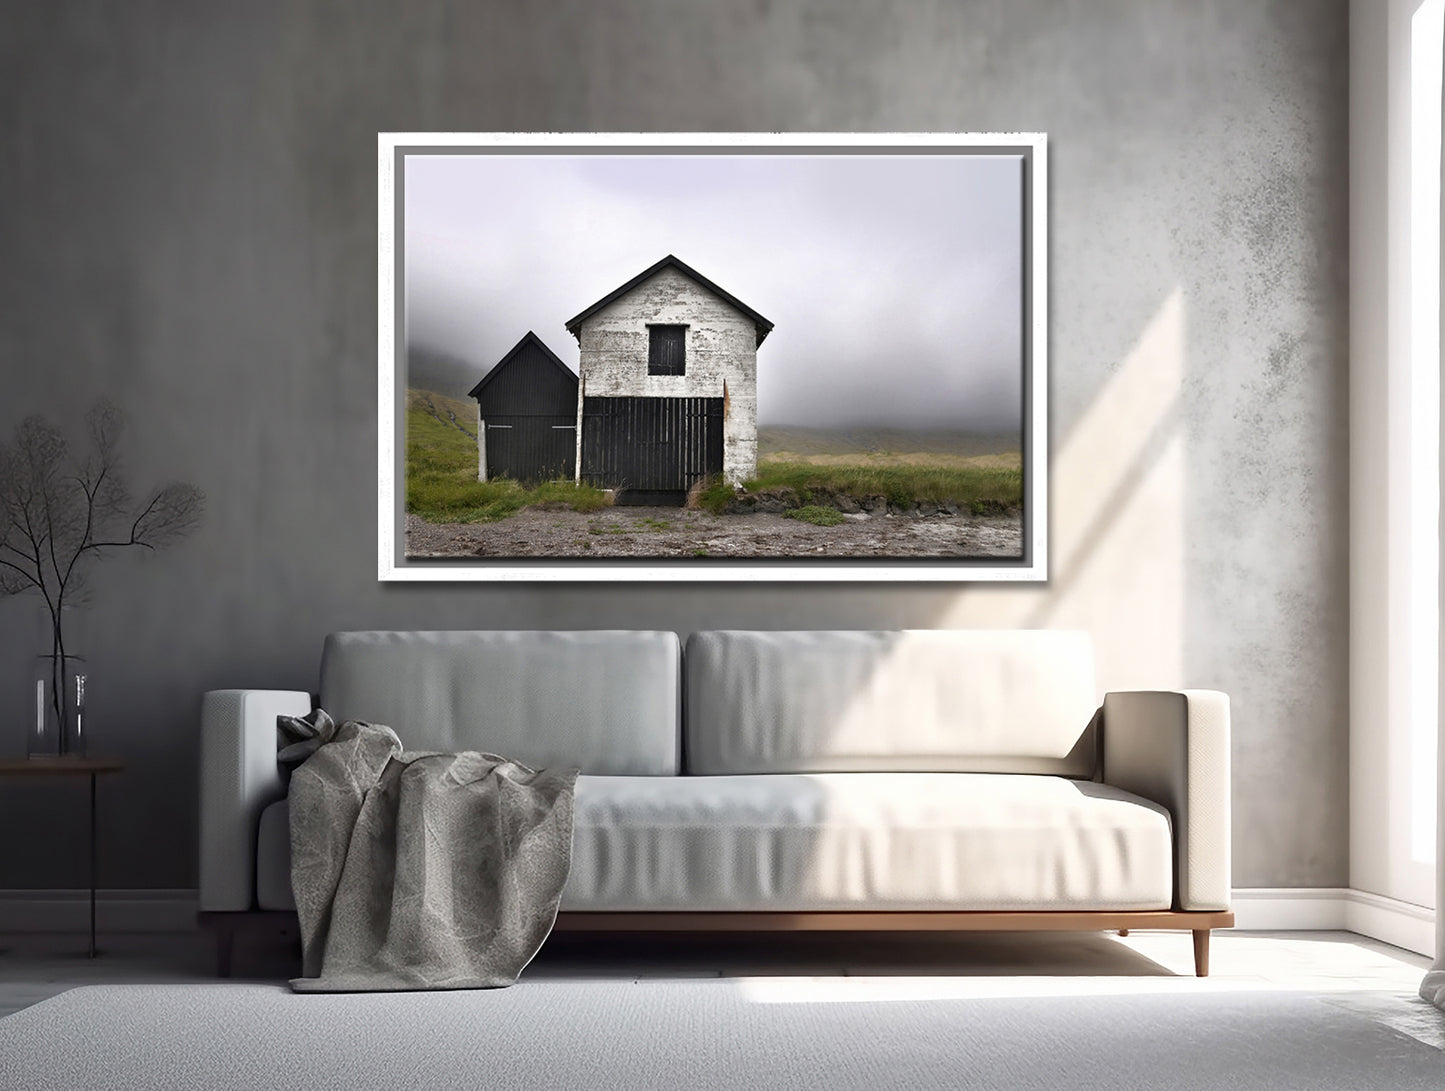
(57, 721)
(56, 715)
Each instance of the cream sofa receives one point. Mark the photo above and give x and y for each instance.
(849, 780)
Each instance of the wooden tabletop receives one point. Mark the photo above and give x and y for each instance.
(58, 767)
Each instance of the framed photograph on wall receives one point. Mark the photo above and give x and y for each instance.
(744, 356)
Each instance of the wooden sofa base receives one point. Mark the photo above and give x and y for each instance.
(1199, 923)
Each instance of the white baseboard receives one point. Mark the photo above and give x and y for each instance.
(1392, 921)
(1288, 909)
(115, 910)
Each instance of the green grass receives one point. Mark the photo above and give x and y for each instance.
(455, 414)
(716, 496)
(441, 475)
(978, 488)
(583, 498)
(819, 517)
(442, 485)
(649, 523)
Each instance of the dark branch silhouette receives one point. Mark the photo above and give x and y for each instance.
(59, 514)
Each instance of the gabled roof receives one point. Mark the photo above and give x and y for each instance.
(764, 327)
(529, 338)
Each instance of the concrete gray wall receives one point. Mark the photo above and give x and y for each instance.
(721, 358)
(188, 225)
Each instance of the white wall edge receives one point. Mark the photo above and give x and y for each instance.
(116, 911)
(1336, 909)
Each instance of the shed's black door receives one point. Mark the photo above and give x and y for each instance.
(651, 445)
(531, 448)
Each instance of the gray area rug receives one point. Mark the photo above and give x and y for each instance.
(719, 1033)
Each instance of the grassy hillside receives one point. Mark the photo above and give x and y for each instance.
(441, 469)
(978, 488)
(453, 414)
(975, 471)
(978, 473)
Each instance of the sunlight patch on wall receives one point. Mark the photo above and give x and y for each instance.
(1117, 496)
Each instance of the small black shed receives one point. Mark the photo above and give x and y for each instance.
(527, 409)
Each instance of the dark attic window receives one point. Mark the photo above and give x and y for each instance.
(666, 350)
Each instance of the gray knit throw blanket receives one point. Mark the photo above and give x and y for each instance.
(419, 870)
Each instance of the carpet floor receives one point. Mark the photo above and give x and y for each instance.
(709, 1034)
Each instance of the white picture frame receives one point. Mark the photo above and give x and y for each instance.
(1031, 564)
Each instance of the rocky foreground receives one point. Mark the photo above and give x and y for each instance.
(681, 533)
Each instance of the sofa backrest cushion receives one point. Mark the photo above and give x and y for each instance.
(605, 701)
(1016, 701)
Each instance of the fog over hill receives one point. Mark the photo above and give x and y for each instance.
(441, 371)
(802, 440)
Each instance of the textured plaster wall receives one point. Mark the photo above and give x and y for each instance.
(189, 226)
(721, 357)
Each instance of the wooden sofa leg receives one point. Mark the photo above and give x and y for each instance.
(1201, 952)
(1123, 931)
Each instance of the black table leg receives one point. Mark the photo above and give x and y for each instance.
(92, 865)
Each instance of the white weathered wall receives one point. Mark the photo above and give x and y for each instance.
(721, 349)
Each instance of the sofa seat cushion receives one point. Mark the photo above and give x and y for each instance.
(837, 841)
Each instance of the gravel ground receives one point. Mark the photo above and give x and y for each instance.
(675, 532)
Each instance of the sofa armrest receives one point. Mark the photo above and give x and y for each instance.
(239, 777)
(1173, 748)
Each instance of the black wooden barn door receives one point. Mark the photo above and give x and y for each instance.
(531, 449)
(655, 448)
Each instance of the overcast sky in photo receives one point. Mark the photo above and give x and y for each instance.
(894, 282)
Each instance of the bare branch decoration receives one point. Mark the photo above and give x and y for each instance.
(60, 513)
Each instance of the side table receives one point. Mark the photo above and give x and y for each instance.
(68, 767)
